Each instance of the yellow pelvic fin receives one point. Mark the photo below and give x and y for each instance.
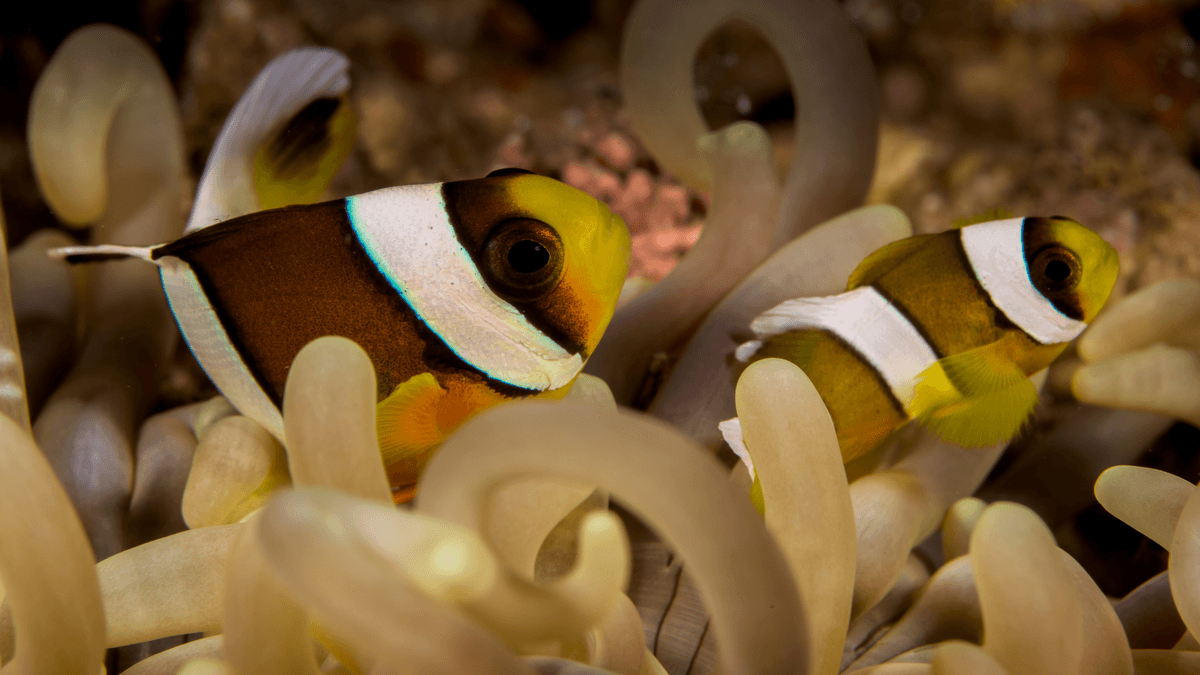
(756, 497)
(976, 398)
(998, 213)
(295, 164)
(884, 260)
(406, 421)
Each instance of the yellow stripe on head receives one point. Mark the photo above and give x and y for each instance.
(596, 244)
(1096, 260)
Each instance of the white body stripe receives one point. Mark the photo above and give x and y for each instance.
(408, 235)
(996, 251)
(213, 348)
(865, 320)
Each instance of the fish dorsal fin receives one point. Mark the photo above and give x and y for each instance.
(884, 260)
(283, 91)
(986, 216)
(975, 398)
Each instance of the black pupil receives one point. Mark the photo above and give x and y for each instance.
(1057, 271)
(527, 257)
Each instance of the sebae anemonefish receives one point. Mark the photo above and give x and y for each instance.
(941, 328)
(464, 295)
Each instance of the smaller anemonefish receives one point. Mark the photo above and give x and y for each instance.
(464, 295)
(941, 328)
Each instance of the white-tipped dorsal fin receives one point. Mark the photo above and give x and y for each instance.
(101, 253)
(283, 88)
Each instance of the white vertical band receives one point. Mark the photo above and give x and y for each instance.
(865, 320)
(212, 347)
(996, 251)
(407, 233)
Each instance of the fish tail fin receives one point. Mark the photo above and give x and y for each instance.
(102, 253)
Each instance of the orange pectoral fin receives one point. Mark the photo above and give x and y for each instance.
(406, 423)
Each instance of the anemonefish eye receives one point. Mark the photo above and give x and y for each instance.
(523, 259)
(1055, 271)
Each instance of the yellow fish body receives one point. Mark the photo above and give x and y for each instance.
(463, 294)
(942, 328)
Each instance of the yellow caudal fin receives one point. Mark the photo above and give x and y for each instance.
(976, 398)
(406, 424)
(883, 260)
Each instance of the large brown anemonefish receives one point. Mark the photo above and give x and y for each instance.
(464, 294)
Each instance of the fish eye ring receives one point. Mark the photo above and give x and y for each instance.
(1055, 271)
(522, 259)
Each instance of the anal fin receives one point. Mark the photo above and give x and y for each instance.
(975, 398)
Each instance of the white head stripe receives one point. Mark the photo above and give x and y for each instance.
(865, 320)
(409, 237)
(213, 348)
(997, 254)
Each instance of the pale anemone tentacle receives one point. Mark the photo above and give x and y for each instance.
(175, 660)
(1183, 566)
(323, 549)
(1033, 622)
(169, 586)
(807, 501)
(1144, 352)
(893, 669)
(698, 393)
(833, 161)
(107, 147)
(522, 513)
(1165, 662)
(899, 599)
(45, 304)
(1105, 645)
(898, 507)
(832, 78)
(959, 523)
(47, 573)
(735, 238)
(265, 631)
(618, 643)
(12, 375)
(1149, 615)
(233, 470)
(1148, 500)
(758, 616)
(329, 419)
(963, 658)
(453, 564)
(166, 446)
(947, 607)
